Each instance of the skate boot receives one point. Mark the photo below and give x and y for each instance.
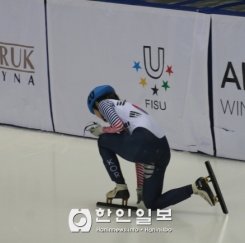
(120, 191)
(202, 188)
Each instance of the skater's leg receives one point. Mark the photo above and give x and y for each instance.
(152, 192)
(112, 165)
(111, 145)
(153, 183)
(141, 146)
(124, 145)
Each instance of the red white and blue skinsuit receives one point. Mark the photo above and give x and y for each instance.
(135, 136)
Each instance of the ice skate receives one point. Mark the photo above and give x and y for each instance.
(119, 192)
(201, 188)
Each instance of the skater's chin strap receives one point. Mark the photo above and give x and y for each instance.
(89, 126)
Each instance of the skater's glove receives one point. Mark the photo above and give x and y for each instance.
(139, 194)
(96, 131)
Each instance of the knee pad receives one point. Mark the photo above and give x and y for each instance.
(148, 170)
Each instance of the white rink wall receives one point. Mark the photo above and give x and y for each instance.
(155, 58)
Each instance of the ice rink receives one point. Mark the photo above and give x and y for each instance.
(44, 176)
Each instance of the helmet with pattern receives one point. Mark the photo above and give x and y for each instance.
(97, 93)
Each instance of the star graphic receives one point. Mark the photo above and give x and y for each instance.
(143, 82)
(169, 70)
(155, 89)
(137, 66)
(165, 85)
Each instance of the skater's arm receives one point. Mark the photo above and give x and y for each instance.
(117, 127)
(109, 113)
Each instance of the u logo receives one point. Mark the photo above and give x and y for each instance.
(153, 72)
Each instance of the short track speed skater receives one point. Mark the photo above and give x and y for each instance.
(212, 178)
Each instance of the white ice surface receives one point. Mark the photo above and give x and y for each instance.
(43, 176)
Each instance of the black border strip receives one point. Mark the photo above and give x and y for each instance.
(48, 71)
(210, 87)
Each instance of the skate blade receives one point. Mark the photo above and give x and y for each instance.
(124, 201)
(116, 206)
(212, 178)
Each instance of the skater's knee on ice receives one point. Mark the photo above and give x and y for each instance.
(149, 204)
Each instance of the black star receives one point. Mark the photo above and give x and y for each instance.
(155, 89)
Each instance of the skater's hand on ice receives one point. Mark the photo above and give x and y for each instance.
(96, 131)
(139, 194)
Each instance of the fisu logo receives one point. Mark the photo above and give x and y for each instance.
(155, 76)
